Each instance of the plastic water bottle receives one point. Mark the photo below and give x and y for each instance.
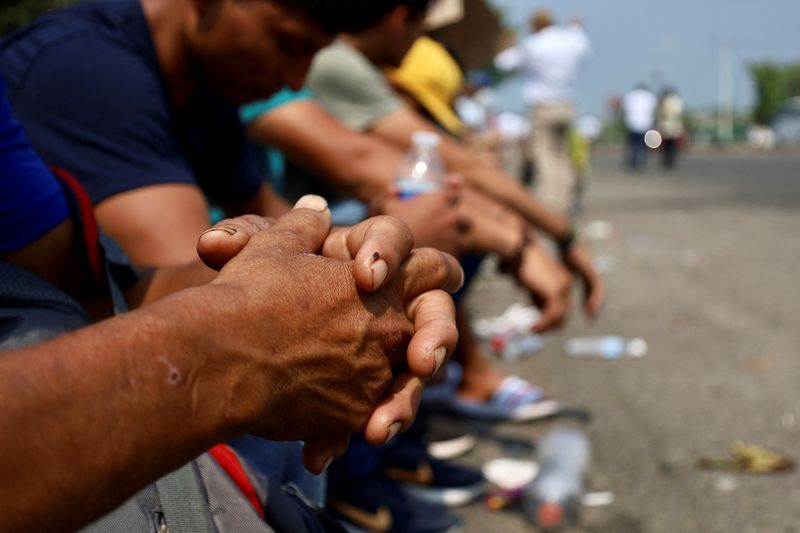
(516, 319)
(422, 170)
(555, 495)
(606, 347)
(513, 346)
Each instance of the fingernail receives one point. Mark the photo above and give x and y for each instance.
(228, 230)
(313, 202)
(380, 269)
(328, 463)
(394, 429)
(439, 354)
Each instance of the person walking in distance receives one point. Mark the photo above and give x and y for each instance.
(638, 113)
(669, 122)
(550, 57)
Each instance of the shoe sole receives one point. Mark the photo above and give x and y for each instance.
(446, 450)
(449, 497)
(536, 411)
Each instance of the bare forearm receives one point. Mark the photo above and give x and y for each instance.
(397, 128)
(98, 414)
(348, 160)
(491, 230)
(161, 282)
(266, 203)
(505, 189)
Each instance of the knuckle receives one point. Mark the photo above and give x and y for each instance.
(285, 236)
(388, 221)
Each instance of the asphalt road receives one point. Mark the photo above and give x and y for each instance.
(703, 264)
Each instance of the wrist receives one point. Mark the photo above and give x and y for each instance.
(512, 262)
(212, 350)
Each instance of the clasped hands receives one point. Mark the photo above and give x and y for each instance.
(337, 330)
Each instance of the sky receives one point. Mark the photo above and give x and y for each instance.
(669, 41)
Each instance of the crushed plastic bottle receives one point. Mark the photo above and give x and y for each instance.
(598, 230)
(554, 498)
(421, 171)
(606, 347)
(516, 319)
(513, 346)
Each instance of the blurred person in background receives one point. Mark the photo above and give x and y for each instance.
(326, 154)
(347, 79)
(550, 58)
(583, 135)
(669, 123)
(638, 115)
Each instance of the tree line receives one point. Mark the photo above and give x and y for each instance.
(775, 84)
(17, 13)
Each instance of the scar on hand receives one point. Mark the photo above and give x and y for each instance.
(173, 374)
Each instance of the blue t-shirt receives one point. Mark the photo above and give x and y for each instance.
(31, 200)
(86, 85)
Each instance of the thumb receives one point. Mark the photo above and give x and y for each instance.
(221, 243)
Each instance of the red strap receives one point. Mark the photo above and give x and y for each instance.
(91, 235)
(229, 462)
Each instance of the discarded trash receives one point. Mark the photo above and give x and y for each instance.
(597, 499)
(511, 477)
(512, 347)
(726, 483)
(606, 263)
(510, 474)
(598, 230)
(750, 458)
(606, 347)
(516, 319)
(555, 494)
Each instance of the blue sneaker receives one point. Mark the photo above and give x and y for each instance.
(378, 505)
(428, 479)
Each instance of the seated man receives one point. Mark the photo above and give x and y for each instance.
(86, 408)
(138, 99)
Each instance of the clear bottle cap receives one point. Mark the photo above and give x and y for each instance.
(637, 347)
(425, 138)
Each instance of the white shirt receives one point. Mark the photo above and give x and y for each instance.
(638, 109)
(550, 59)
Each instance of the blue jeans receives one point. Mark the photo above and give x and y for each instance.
(637, 150)
(281, 463)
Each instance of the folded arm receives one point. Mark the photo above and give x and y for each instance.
(308, 135)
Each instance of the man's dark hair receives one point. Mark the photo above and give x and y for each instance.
(352, 16)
